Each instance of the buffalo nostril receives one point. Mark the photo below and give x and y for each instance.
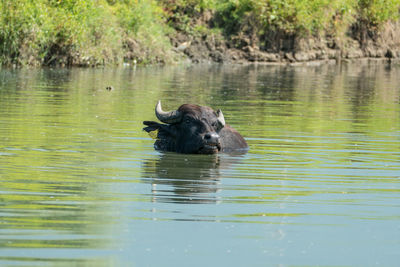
(211, 138)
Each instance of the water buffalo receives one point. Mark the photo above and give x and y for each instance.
(193, 129)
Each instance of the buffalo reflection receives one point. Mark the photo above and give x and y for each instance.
(183, 178)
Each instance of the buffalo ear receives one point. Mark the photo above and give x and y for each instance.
(151, 126)
(158, 131)
(221, 119)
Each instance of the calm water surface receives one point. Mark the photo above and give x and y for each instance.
(81, 185)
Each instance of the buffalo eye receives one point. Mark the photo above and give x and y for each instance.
(187, 121)
(216, 125)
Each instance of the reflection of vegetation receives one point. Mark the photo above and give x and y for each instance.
(46, 200)
(63, 137)
(55, 262)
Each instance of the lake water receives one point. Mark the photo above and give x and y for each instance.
(81, 185)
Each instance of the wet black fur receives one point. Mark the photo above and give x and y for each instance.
(187, 136)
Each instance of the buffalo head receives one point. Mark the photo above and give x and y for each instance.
(193, 129)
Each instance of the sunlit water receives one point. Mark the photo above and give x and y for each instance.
(81, 185)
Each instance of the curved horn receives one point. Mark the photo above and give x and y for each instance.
(221, 119)
(167, 117)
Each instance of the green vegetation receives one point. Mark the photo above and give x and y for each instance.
(79, 32)
(289, 16)
(73, 31)
(93, 32)
(376, 12)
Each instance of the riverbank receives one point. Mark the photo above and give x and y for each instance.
(91, 33)
(382, 44)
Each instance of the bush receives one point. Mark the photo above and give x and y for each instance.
(376, 12)
(79, 32)
(300, 16)
(144, 21)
